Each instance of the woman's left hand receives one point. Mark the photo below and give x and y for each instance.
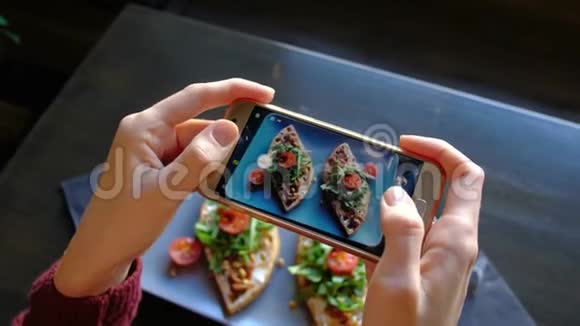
(157, 158)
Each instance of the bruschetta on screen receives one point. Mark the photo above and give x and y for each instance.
(291, 169)
(346, 188)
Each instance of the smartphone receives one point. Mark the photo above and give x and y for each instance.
(317, 179)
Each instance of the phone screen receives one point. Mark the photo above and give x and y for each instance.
(315, 178)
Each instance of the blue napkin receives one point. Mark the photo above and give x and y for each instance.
(489, 301)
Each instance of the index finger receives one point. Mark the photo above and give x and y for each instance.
(465, 177)
(198, 98)
(450, 248)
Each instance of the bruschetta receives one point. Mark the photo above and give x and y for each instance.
(291, 169)
(346, 188)
(332, 283)
(241, 252)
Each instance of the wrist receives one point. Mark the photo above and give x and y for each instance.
(86, 269)
(77, 279)
(92, 262)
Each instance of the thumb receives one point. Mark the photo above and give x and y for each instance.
(205, 153)
(403, 230)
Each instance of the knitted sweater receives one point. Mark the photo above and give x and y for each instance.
(117, 306)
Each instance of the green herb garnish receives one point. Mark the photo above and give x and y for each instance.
(350, 199)
(343, 292)
(294, 173)
(224, 245)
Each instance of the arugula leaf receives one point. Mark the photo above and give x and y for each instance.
(322, 290)
(338, 279)
(310, 273)
(332, 300)
(342, 292)
(252, 236)
(204, 238)
(203, 227)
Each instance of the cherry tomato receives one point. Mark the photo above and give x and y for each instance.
(185, 251)
(287, 160)
(233, 222)
(257, 177)
(371, 169)
(352, 181)
(340, 262)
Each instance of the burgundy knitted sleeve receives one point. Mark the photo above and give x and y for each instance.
(117, 306)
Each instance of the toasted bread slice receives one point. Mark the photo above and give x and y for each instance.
(263, 260)
(322, 313)
(292, 193)
(352, 219)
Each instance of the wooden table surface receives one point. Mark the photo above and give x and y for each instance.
(529, 219)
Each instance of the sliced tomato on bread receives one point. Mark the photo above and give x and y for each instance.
(315, 280)
(346, 188)
(292, 169)
(240, 278)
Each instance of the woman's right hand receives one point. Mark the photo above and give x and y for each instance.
(422, 280)
(158, 157)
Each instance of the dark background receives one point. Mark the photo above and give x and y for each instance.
(520, 52)
(523, 52)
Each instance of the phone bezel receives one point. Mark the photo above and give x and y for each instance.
(240, 110)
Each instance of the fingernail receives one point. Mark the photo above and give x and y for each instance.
(394, 195)
(224, 132)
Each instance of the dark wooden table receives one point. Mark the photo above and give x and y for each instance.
(529, 220)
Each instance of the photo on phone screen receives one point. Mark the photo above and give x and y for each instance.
(315, 177)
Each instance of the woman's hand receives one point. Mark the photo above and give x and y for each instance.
(420, 282)
(157, 158)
